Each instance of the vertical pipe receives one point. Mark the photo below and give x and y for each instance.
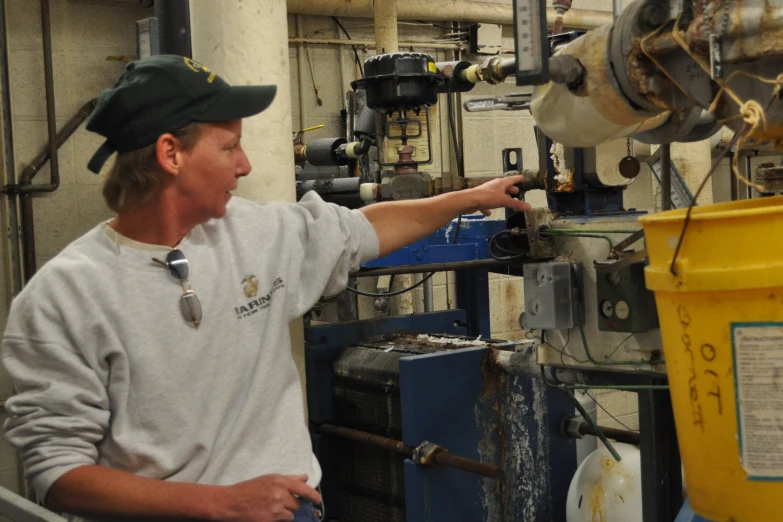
(174, 27)
(26, 199)
(666, 177)
(7, 176)
(617, 8)
(429, 302)
(300, 63)
(386, 38)
(343, 87)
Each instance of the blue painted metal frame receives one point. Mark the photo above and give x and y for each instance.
(324, 343)
(472, 244)
(438, 394)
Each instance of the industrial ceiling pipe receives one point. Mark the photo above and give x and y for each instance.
(445, 11)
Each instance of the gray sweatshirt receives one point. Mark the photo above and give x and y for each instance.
(107, 371)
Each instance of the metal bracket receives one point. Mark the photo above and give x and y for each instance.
(509, 102)
(540, 247)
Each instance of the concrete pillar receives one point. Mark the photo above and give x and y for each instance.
(247, 43)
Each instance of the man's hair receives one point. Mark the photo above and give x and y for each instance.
(136, 175)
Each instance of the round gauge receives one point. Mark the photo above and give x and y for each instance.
(622, 310)
(607, 309)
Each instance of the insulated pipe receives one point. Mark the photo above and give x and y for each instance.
(445, 11)
(386, 38)
(596, 112)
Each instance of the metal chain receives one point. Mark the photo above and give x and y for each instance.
(628, 146)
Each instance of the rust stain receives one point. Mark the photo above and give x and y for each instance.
(597, 504)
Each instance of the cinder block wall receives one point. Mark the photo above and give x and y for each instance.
(84, 34)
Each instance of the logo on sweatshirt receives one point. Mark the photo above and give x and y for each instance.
(251, 286)
(250, 289)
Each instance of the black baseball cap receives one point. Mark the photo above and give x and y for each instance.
(163, 93)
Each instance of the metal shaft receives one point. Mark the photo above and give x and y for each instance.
(471, 466)
(442, 457)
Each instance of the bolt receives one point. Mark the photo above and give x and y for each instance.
(535, 307)
(541, 277)
(653, 16)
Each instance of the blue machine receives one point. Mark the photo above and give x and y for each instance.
(452, 398)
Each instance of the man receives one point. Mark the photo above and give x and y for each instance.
(151, 358)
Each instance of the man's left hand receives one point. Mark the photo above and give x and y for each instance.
(498, 193)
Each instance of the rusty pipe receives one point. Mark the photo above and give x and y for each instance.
(66, 132)
(471, 466)
(51, 117)
(367, 438)
(441, 455)
(445, 11)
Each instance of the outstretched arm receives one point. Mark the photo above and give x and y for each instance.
(399, 223)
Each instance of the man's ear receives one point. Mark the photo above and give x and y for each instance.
(168, 150)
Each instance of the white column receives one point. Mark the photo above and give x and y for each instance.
(246, 43)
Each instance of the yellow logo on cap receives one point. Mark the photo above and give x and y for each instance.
(197, 67)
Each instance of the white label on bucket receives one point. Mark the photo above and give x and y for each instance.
(758, 375)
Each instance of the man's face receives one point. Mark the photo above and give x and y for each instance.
(212, 168)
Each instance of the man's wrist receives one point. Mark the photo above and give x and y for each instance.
(210, 504)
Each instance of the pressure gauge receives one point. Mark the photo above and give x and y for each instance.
(532, 46)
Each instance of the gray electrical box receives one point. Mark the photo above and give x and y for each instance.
(554, 296)
(624, 303)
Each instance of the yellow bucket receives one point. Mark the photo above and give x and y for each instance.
(722, 326)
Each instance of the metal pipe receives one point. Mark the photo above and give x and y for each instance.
(345, 86)
(666, 177)
(471, 466)
(300, 63)
(445, 11)
(386, 37)
(617, 8)
(371, 44)
(431, 267)
(8, 207)
(51, 117)
(441, 456)
(26, 188)
(628, 437)
(598, 433)
(395, 446)
(174, 27)
(66, 132)
(429, 302)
